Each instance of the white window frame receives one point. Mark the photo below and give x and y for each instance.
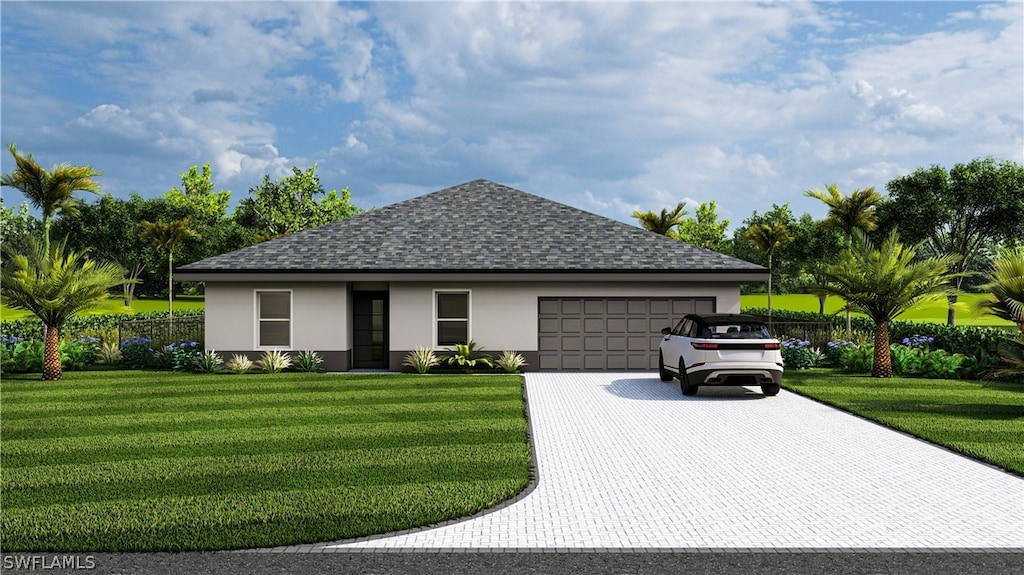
(469, 313)
(291, 319)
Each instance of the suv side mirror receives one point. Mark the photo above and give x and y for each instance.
(666, 330)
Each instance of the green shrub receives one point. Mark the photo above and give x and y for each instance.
(180, 355)
(421, 359)
(137, 353)
(240, 364)
(109, 354)
(510, 362)
(274, 361)
(905, 360)
(798, 354)
(467, 356)
(939, 364)
(309, 361)
(80, 353)
(84, 325)
(20, 355)
(834, 351)
(858, 358)
(208, 362)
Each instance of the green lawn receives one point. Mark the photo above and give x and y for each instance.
(116, 305)
(934, 312)
(984, 420)
(147, 461)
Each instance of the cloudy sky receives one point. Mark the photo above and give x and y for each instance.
(605, 106)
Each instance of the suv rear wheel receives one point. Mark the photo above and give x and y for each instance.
(684, 383)
(770, 389)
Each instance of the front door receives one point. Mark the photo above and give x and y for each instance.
(370, 330)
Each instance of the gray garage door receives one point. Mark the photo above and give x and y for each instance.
(608, 333)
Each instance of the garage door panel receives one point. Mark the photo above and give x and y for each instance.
(607, 333)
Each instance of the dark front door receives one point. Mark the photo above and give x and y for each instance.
(370, 330)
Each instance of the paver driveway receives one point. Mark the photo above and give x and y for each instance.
(625, 461)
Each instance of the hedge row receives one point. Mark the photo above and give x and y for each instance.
(978, 342)
(32, 328)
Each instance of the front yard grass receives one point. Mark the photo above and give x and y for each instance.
(984, 420)
(160, 461)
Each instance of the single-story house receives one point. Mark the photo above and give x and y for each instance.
(565, 288)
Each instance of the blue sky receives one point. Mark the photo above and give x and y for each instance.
(609, 107)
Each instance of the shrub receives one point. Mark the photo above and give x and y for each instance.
(834, 351)
(906, 360)
(939, 364)
(510, 362)
(180, 355)
(240, 364)
(85, 325)
(80, 353)
(274, 361)
(421, 360)
(463, 356)
(798, 354)
(137, 353)
(21, 356)
(858, 358)
(918, 341)
(309, 361)
(109, 354)
(207, 362)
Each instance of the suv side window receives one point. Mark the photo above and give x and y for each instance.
(682, 327)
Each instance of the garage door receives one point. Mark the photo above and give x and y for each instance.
(608, 333)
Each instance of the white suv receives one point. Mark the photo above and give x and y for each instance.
(720, 349)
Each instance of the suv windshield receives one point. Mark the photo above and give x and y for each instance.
(739, 331)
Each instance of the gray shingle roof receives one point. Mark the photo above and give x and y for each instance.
(476, 226)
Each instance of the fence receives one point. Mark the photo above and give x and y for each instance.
(819, 333)
(164, 330)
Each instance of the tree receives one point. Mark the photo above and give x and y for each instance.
(884, 282)
(196, 193)
(857, 211)
(1006, 283)
(767, 239)
(815, 245)
(663, 223)
(56, 284)
(50, 191)
(290, 205)
(111, 228)
(958, 211)
(15, 228)
(167, 236)
(705, 230)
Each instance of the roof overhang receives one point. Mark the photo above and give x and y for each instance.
(639, 276)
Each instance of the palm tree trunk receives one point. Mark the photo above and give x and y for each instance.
(821, 304)
(769, 292)
(951, 313)
(882, 366)
(170, 294)
(51, 354)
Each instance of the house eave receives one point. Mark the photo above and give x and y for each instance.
(597, 276)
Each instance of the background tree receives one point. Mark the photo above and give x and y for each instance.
(785, 272)
(958, 211)
(111, 228)
(705, 230)
(884, 282)
(767, 239)
(166, 236)
(853, 212)
(51, 190)
(16, 226)
(664, 223)
(196, 195)
(56, 284)
(290, 205)
(815, 246)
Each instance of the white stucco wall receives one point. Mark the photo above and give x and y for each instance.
(504, 316)
(320, 316)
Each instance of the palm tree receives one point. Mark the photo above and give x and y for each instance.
(849, 213)
(767, 238)
(856, 212)
(50, 191)
(884, 282)
(663, 223)
(55, 285)
(1006, 283)
(167, 236)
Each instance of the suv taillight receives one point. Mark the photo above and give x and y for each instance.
(771, 345)
(699, 345)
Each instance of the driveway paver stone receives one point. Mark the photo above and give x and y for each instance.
(625, 461)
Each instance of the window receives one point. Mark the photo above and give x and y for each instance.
(452, 316)
(274, 316)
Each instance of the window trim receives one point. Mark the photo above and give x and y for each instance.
(469, 314)
(256, 315)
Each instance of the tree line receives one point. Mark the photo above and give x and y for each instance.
(968, 212)
(148, 237)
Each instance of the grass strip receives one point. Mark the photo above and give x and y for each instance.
(984, 420)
